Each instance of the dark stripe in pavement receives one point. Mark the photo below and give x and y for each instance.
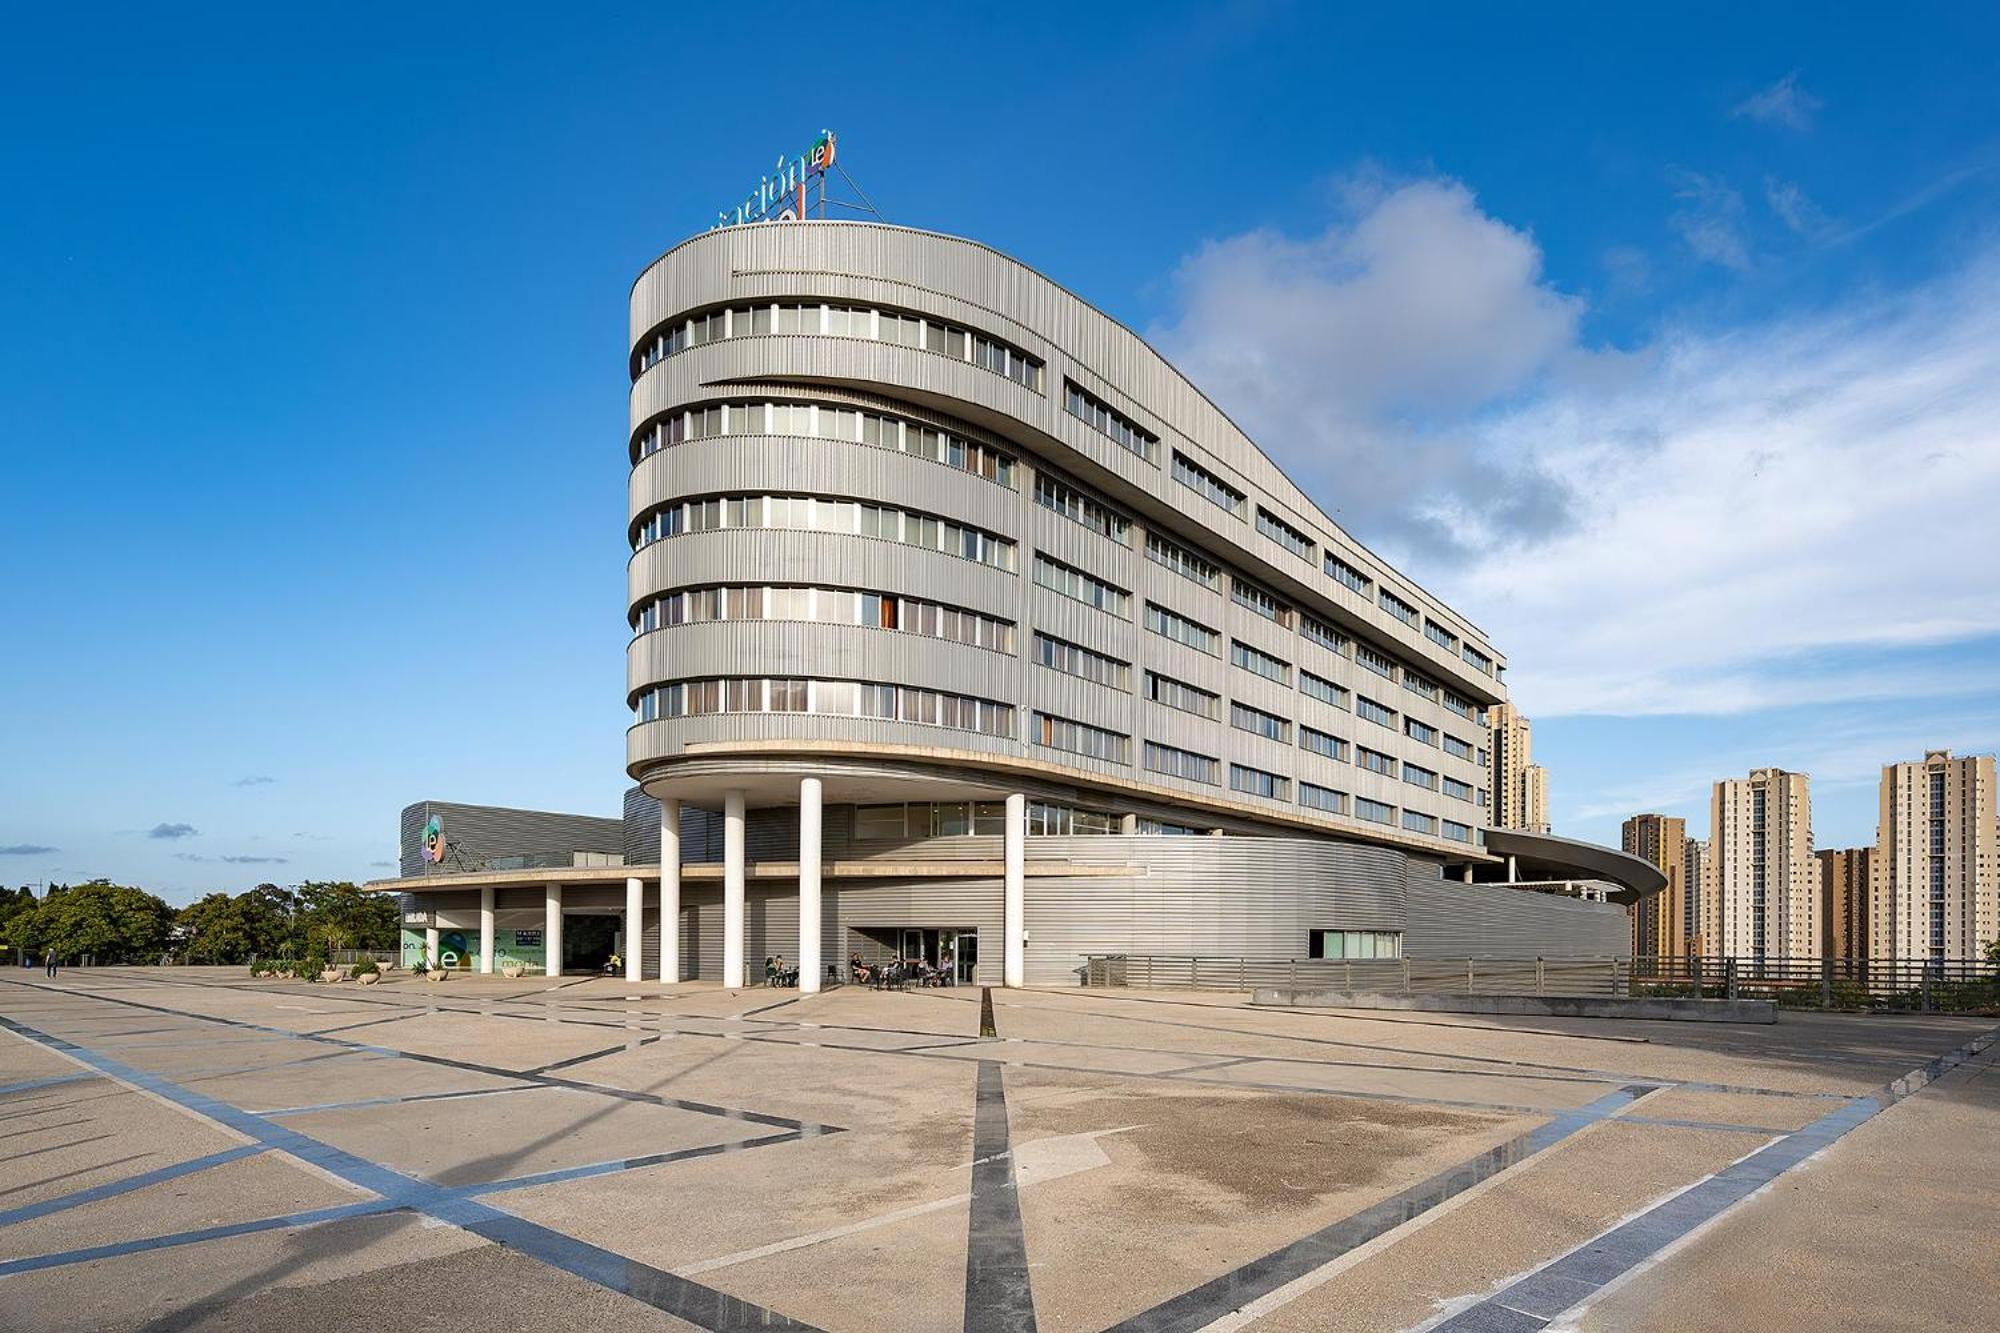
(116, 1187)
(588, 1056)
(998, 1296)
(681, 1297)
(1232, 1291)
(986, 1028)
(1534, 1301)
(56, 1081)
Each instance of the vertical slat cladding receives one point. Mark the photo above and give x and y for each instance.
(1452, 920)
(478, 835)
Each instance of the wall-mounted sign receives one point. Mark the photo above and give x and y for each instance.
(781, 196)
(434, 841)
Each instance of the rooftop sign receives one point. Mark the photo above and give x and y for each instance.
(781, 196)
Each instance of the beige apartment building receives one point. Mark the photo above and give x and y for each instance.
(1520, 786)
(1765, 874)
(1934, 888)
(1660, 923)
(1843, 901)
(1704, 907)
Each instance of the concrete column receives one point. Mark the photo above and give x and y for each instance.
(1513, 868)
(670, 892)
(1014, 910)
(809, 877)
(732, 888)
(552, 930)
(1467, 875)
(635, 924)
(486, 929)
(431, 946)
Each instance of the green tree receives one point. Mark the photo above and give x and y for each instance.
(106, 922)
(340, 916)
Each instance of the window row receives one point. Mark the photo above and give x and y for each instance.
(842, 321)
(957, 819)
(1208, 486)
(832, 698)
(817, 514)
(1107, 421)
(1080, 508)
(1189, 565)
(1076, 660)
(1284, 534)
(1179, 694)
(1072, 582)
(828, 606)
(1061, 733)
(827, 422)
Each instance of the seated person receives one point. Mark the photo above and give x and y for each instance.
(770, 971)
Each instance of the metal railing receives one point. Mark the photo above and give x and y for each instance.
(1926, 985)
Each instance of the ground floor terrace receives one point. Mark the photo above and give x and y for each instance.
(191, 1149)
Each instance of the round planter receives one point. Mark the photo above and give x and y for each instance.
(436, 974)
(511, 972)
(367, 978)
(330, 974)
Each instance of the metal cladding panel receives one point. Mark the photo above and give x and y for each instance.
(703, 559)
(477, 835)
(792, 648)
(1454, 920)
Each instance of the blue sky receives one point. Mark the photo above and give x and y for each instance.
(1664, 342)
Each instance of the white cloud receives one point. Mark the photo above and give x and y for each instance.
(1783, 103)
(1794, 207)
(1709, 218)
(1721, 521)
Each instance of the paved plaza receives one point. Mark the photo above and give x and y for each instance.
(191, 1149)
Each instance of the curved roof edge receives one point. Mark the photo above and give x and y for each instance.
(1635, 875)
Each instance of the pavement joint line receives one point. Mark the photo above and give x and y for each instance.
(52, 1082)
(1223, 1296)
(398, 1101)
(999, 1292)
(702, 1306)
(111, 1189)
(1674, 1122)
(576, 1085)
(588, 1056)
(1572, 1280)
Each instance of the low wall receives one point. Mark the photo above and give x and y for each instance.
(1538, 1006)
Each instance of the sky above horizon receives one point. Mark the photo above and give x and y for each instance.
(1664, 344)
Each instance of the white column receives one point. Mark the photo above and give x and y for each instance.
(486, 929)
(732, 888)
(431, 945)
(1014, 911)
(809, 872)
(552, 931)
(1513, 869)
(635, 924)
(670, 892)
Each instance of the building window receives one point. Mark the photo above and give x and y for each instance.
(1321, 742)
(1284, 534)
(837, 698)
(841, 321)
(1460, 705)
(1324, 690)
(1173, 763)
(1439, 635)
(828, 421)
(1079, 508)
(1376, 662)
(1120, 429)
(1325, 635)
(1459, 790)
(1419, 823)
(1161, 828)
(1420, 777)
(1179, 694)
(1075, 660)
(1081, 738)
(1478, 659)
(828, 606)
(1049, 820)
(1256, 782)
(1375, 761)
(1260, 663)
(1180, 629)
(930, 819)
(1457, 748)
(1354, 945)
(1398, 608)
(1190, 566)
(1317, 797)
(1374, 811)
(1074, 583)
(1420, 731)
(1342, 572)
(1207, 485)
(1262, 603)
(1268, 725)
(1457, 832)
(1368, 710)
(1416, 684)
(822, 514)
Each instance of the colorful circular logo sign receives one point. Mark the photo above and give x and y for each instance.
(821, 156)
(434, 841)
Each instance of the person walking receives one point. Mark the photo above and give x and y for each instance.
(51, 960)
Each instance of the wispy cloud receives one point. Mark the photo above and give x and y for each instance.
(27, 849)
(172, 831)
(255, 781)
(1784, 103)
(232, 860)
(1709, 218)
(1794, 208)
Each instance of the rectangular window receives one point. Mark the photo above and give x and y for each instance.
(1375, 761)
(1322, 798)
(1478, 659)
(1121, 429)
(1439, 635)
(1079, 508)
(1259, 662)
(1457, 832)
(1268, 725)
(1262, 603)
(1322, 689)
(1398, 608)
(1180, 629)
(1175, 763)
(1459, 704)
(1076, 660)
(1379, 663)
(1195, 568)
(1073, 582)
(1284, 534)
(1456, 748)
(1207, 485)
(1458, 790)
(1256, 782)
(1371, 711)
(1320, 742)
(1420, 731)
(1323, 634)
(1419, 823)
(1342, 572)
(1179, 694)
(1420, 777)
(1354, 944)
(1081, 738)
(880, 821)
(1374, 811)
(1416, 684)
(1049, 820)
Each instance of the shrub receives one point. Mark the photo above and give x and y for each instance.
(366, 967)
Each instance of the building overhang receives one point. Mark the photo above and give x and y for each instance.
(1544, 856)
(754, 871)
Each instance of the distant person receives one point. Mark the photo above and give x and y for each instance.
(51, 960)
